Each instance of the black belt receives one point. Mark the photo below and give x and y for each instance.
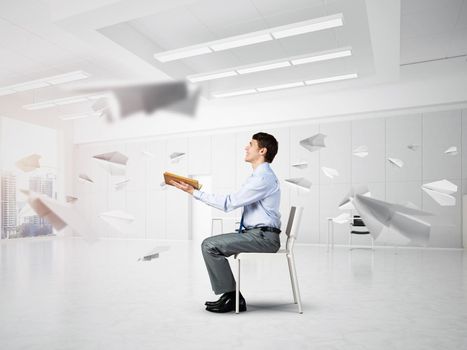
(270, 229)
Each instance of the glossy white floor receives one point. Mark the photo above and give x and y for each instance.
(65, 294)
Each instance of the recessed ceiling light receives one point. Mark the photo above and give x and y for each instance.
(78, 116)
(61, 101)
(178, 54)
(44, 82)
(248, 40)
(235, 93)
(196, 79)
(4, 92)
(263, 67)
(66, 78)
(329, 79)
(309, 26)
(30, 86)
(252, 38)
(288, 85)
(321, 57)
(281, 86)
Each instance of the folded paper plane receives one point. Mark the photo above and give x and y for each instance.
(413, 146)
(441, 192)
(147, 98)
(176, 156)
(330, 172)
(118, 219)
(29, 163)
(346, 203)
(113, 162)
(70, 199)
(314, 143)
(300, 165)
(360, 151)
(342, 218)
(451, 151)
(121, 184)
(397, 162)
(377, 213)
(300, 183)
(60, 215)
(85, 178)
(153, 253)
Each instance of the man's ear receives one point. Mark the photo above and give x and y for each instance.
(263, 151)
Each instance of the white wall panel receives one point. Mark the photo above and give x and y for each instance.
(446, 227)
(156, 165)
(136, 206)
(199, 155)
(136, 166)
(402, 131)
(156, 217)
(336, 154)
(224, 161)
(177, 214)
(371, 133)
(441, 130)
(464, 143)
(309, 227)
(180, 166)
(243, 169)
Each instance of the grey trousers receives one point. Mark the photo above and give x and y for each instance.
(216, 248)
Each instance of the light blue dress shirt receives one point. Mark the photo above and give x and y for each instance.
(260, 196)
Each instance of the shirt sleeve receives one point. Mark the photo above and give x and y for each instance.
(253, 190)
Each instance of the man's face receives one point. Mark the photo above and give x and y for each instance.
(253, 152)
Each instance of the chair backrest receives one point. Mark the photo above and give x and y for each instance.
(293, 225)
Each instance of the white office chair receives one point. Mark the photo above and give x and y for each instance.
(291, 232)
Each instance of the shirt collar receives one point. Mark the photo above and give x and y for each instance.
(262, 168)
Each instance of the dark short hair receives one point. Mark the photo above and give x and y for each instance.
(269, 142)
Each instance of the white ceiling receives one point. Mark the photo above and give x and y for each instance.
(116, 40)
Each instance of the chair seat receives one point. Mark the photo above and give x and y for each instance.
(255, 255)
(360, 232)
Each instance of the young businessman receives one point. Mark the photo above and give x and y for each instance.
(259, 227)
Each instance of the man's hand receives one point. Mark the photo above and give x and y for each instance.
(183, 186)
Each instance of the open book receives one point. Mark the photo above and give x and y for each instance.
(169, 176)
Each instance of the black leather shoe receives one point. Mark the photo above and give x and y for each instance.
(227, 305)
(222, 298)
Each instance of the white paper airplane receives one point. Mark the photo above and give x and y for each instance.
(125, 100)
(360, 151)
(330, 172)
(121, 184)
(342, 218)
(163, 185)
(118, 219)
(176, 156)
(300, 165)
(441, 191)
(413, 147)
(397, 162)
(376, 213)
(346, 203)
(153, 253)
(29, 163)
(70, 199)
(113, 162)
(299, 182)
(85, 178)
(314, 143)
(452, 151)
(148, 154)
(60, 215)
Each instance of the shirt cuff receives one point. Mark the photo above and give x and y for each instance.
(197, 194)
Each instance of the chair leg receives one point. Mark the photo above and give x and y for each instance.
(292, 280)
(297, 290)
(350, 242)
(237, 288)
